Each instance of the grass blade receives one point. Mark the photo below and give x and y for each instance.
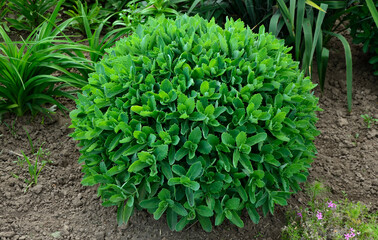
(314, 5)
(250, 6)
(299, 23)
(286, 15)
(322, 67)
(319, 22)
(292, 8)
(194, 4)
(349, 69)
(333, 4)
(30, 140)
(307, 31)
(273, 24)
(373, 11)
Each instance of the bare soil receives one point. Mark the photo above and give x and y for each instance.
(58, 207)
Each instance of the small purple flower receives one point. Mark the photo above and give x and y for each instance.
(319, 215)
(331, 204)
(351, 234)
(299, 214)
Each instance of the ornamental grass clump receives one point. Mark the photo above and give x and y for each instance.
(195, 121)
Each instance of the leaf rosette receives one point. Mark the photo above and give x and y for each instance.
(199, 122)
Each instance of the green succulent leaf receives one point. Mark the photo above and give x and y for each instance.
(205, 223)
(182, 152)
(204, 211)
(137, 166)
(194, 171)
(241, 138)
(260, 137)
(228, 140)
(196, 135)
(233, 203)
(152, 203)
(204, 147)
(161, 152)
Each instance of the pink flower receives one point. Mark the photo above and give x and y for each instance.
(331, 204)
(351, 234)
(319, 215)
(299, 214)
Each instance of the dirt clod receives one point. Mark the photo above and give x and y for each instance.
(342, 122)
(37, 189)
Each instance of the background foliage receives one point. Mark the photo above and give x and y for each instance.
(26, 67)
(29, 14)
(364, 29)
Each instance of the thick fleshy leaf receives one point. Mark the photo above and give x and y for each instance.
(260, 137)
(194, 171)
(228, 139)
(182, 152)
(204, 211)
(196, 135)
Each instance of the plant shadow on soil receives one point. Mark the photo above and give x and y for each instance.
(59, 207)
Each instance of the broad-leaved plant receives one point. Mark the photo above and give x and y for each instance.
(195, 121)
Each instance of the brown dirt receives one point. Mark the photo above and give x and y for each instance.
(59, 205)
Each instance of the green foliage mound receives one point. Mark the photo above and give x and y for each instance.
(195, 121)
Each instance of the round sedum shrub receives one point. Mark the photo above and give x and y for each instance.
(195, 121)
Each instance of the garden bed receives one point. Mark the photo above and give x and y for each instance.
(59, 207)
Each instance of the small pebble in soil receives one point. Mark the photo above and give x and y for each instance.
(7, 234)
(337, 173)
(100, 235)
(37, 189)
(66, 229)
(76, 202)
(349, 144)
(373, 133)
(359, 175)
(342, 122)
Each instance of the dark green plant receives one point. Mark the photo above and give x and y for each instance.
(192, 120)
(111, 6)
(29, 14)
(93, 12)
(364, 29)
(138, 11)
(3, 12)
(114, 5)
(96, 43)
(130, 17)
(26, 83)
